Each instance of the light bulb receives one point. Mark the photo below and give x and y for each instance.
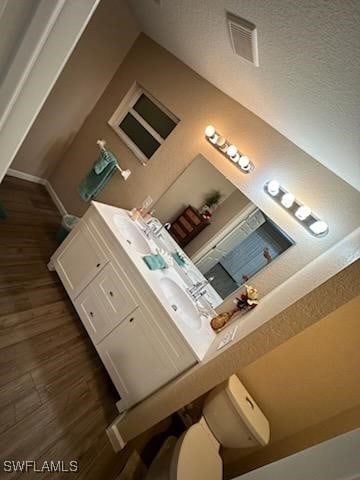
(211, 134)
(319, 227)
(302, 212)
(287, 200)
(244, 161)
(209, 131)
(273, 187)
(221, 142)
(231, 151)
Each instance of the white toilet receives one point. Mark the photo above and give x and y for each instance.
(230, 418)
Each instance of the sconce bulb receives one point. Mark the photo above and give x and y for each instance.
(221, 142)
(273, 187)
(244, 161)
(287, 200)
(231, 151)
(302, 212)
(319, 227)
(209, 131)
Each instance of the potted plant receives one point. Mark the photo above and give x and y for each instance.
(211, 202)
(212, 199)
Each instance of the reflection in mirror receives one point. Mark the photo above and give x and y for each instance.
(226, 236)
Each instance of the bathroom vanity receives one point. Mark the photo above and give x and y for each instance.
(145, 324)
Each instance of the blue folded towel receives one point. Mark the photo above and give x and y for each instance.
(179, 259)
(155, 262)
(99, 176)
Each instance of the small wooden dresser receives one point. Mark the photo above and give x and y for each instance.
(187, 226)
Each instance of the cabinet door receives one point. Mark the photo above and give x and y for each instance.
(135, 359)
(112, 292)
(92, 314)
(79, 260)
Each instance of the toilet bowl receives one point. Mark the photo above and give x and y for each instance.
(231, 418)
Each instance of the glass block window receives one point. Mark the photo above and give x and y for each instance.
(142, 122)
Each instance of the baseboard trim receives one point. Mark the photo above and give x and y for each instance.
(55, 198)
(114, 436)
(42, 181)
(25, 176)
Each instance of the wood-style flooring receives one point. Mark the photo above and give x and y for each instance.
(55, 396)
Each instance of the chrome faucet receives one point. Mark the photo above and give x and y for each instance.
(198, 289)
(157, 231)
(149, 229)
(152, 228)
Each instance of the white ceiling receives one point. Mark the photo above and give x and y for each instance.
(308, 83)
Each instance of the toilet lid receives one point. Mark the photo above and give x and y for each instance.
(195, 457)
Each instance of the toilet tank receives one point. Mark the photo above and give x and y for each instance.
(234, 417)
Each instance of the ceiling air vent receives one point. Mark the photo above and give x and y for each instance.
(243, 38)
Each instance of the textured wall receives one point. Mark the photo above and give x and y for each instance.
(197, 103)
(330, 296)
(307, 84)
(309, 380)
(106, 40)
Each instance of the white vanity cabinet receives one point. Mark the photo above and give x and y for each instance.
(138, 343)
(135, 358)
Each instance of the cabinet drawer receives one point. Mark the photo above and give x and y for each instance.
(79, 259)
(113, 294)
(93, 315)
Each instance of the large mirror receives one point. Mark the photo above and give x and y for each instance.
(227, 237)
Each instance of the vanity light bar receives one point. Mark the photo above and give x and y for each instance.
(301, 212)
(228, 150)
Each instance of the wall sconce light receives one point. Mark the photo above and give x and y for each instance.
(229, 150)
(301, 212)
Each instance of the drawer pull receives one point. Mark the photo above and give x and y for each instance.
(98, 265)
(131, 319)
(111, 294)
(91, 314)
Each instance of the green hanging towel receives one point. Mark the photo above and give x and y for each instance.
(99, 176)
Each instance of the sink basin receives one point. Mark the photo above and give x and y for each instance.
(180, 303)
(133, 237)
